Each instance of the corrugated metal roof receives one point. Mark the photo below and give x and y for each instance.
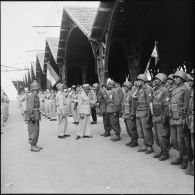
(84, 17)
(53, 46)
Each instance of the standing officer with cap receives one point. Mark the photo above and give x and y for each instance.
(160, 116)
(113, 109)
(33, 116)
(102, 101)
(62, 112)
(128, 111)
(179, 100)
(143, 115)
(84, 104)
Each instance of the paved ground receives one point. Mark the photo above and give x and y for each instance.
(94, 165)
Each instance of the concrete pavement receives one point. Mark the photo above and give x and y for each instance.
(95, 165)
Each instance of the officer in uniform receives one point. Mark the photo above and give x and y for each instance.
(33, 116)
(75, 105)
(160, 116)
(84, 104)
(52, 106)
(62, 112)
(128, 111)
(143, 98)
(190, 168)
(102, 101)
(113, 109)
(179, 101)
(23, 100)
(47, 103)
(93, 95)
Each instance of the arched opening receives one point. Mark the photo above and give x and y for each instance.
(117, 63)
(79, 59)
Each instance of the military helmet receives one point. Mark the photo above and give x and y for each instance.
(111, 83)
(95, 85)
(128, 84)
(86, 86)
(170, 77)
(180, 74)
(142, 77)
(34, 86)
(162, 77)
(189, 77)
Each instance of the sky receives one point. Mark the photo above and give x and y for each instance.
(18, 36)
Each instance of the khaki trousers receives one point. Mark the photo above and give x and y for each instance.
(62, 124)
(84, 126)
(33, 131)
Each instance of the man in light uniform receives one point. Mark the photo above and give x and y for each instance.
(52, 106)
(23, 100)
(33, 116)
(84, 123)
(143, 98)
(179, 101)
(160, 116)
(128, 111)
(62, 113)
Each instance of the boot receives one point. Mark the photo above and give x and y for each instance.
(107, 134)
(116, 138)
(178, 161)
(158, 155)
(190, 169)
(34, 149)
(163, 157)
(39, 147)
(142, 145)
(129, 143)
(149, 150)
(184, 163)
(142, 149)
(134, 144)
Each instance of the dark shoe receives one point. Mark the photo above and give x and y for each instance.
(143, 149)
(67, 135)
(94, 122)
(163, 157)
(129, 143)
(34, 149)
(87, 136)
(39, 147)
(116, 138)
(158, 155)
(77, 123)
(74, 123)
(78, 137)
(134, 144)
(178, 161)
(184, 164)
(61, 136)
(149, 150)
(107, 135)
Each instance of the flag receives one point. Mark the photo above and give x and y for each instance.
(155, 53)
(148, 75)
(52, 75)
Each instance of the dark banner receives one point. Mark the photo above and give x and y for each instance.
(19, 85)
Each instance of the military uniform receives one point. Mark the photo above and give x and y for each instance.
(62, 112)
(128, 111)
(160, 126)
(75, 107)
(93, 97)
(179, 100)
(47, 104)
(84, 123)
(33, 117)
(102, 100)
(23, 101)
(113, 109)
(52, 106)
(143, 118)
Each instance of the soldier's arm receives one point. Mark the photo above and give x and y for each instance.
(30, 106)
(186, 101)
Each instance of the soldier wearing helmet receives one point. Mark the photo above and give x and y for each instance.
(179, 100)
(160, 116)
(93, 96)
(113, 109)
(102, 101)
(33, 116)
(170, 85)
(190, 168)
(128, 111)
(143, 98)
